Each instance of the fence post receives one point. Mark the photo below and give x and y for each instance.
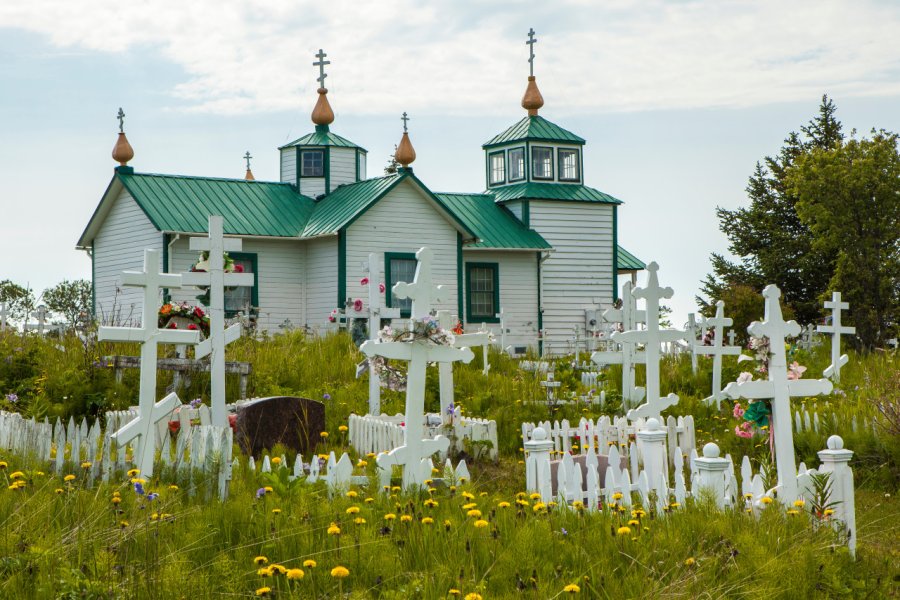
(538, 465)
(652, 446)
(835, 460)
(711, 473)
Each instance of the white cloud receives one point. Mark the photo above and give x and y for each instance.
(460, 57)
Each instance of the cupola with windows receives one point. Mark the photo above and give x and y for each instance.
(318, 162)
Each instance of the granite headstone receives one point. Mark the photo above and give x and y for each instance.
(294, 422)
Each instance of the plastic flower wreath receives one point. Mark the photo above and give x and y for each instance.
(426, 330)
(183, 310)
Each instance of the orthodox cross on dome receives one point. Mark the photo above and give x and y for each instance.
(531, 42)
(652, 337)
(404, 118)
(779, 389)
(838, 360)
(148, 335)
(717, 350)
(216, 279)
(121, 117)
(321, 64)
(247, 158)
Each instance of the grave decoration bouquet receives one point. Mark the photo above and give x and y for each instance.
(175, 315)
(202, 266)
(425, 330)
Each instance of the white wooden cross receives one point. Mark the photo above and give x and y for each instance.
(807, 337)
(630, 318)
(216, 279)
(779, 389)
(445, 369)
(717, 350)
(41, 315)
(377, 312)
(415, 451)
(3, 314)
(148, 335)
(652, 337)
(838, 360)
(692, 331)
(482, 338)
(731, 338)
(144, 427)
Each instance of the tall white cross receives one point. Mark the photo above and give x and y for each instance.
(717, 350)
(41, 315)
(692, 331)
(148, 335)
(377, 312)
(414, 452)
(630, 318)
(652, 337)
(219, 337)
(3, 314)
(838, 360)
(779, 389)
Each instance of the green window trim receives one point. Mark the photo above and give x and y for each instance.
(459, 276)
(342, 269)
(559, 166)
(491, 155)
(475, 318)
(253, 259)
(388, 292)
(535, 177)
(322, 152)
(509, 159)
(615, 248)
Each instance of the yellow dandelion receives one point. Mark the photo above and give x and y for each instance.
(264, 591)
(539, 507)
(369, 500)
(473, 596)
(359, 521)
(469, 506)
(792, 512)
(134, 472)
(261, 560)
(340, 572)
(309, 563)
(468, 495)
(766, 500)
(68, 478)
(453, 592)
(59, 491)
(352, 510)
(264, 572)
(173, 488)
(624, 530)
(323, 435)
(333, 529)
(390, 517)
(405, 518)
(481, 523)
(352, 494)
(343, 429)
(276, 460)
(535, 496)
(123, 524)
(295, 574)
(87, 464)
(427, 521)
(430, 503)
(578, 505)
(362, 463)
(503, 505)
(3, 465)
(116, 499)
(276, 511)
(828, 512)
(268, 489)
(800, 503)
(634, 522)
(689, 562)
(571, 589)
(474, 513)
(617, 496)
(279, 568)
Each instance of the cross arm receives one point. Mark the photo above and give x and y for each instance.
(772, 329)
(176, 336)
(143, 424)
(228, 244)
(449, 354)
(231, 334)
(810, 387)
(466, 340)
(750, 389)
(394, 350)
(123, 334)
(723, 350)
(139, 279)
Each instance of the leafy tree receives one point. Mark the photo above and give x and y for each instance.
(849, 195)
(71, 299)
(19, 300)
(772, 243)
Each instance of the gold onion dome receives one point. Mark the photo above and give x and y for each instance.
(249, 176)
(532, 100)
(122, 151)
(322, 113)
(405, 154)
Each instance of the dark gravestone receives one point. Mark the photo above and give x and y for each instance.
(294, 422)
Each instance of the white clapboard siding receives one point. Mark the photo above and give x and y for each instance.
(321, 281)
(343, 167)
(362, 166)
(515, 207)
(518, 294)
(403, 221)
(289, 165)
(312, 186)
(578, 274)
(119, 246)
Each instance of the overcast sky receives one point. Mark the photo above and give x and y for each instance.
(677, 100)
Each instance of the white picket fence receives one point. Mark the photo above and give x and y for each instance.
(601, 435)
(383, 433)
(647, 459)
(814, 421)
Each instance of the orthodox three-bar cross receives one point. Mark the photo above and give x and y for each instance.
(247, 158)
(219, 337)
(415, 450)
(630, 318)
(321, 64)
(717, 350)
(652, 337)
(148, 335)
(531, 42)
(838, 360)
(121, 117)
(404, 118)
(780, 389)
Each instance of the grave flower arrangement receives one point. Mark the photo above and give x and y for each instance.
(182, 315)
(427, 330)
(202, 266)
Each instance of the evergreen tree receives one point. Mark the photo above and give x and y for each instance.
(393, 165)
(772, 243)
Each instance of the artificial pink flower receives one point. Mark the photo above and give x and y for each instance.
(364, 281)
(238, 269)
(744, 430)
(172, 325)
(381, 287)
(331, 318)
(738, 410)
(358, 305)
(193, 327)
(795, 370)
(745, 377)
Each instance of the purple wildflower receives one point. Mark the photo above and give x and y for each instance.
(12, 398)
(196, 402)
(152, 496)
(564, 531)
(260, 493)
(326, 396)
(138, 488)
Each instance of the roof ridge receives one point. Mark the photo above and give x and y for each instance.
(224, 179)
(462, 193)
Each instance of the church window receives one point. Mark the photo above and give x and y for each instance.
(568, 165)
(312, 163)
(482, 292)
(242, 298)
(541, 162)
(498, 167)
(516, 164)
(398, 266)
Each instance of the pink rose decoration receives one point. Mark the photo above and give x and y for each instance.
(744, 430)
(381, 287)
(738, 411)
(238, 269)
(795, 371)
(364, 281)
(358, 305)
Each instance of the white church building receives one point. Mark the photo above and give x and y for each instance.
(537, 242)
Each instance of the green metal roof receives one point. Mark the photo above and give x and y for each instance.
(346, 203)
(322, 137)
(628, 261)
(493, 224)
(183, 204)
(534, 128)
(551, 191)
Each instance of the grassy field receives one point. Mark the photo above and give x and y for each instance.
(59, 539)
